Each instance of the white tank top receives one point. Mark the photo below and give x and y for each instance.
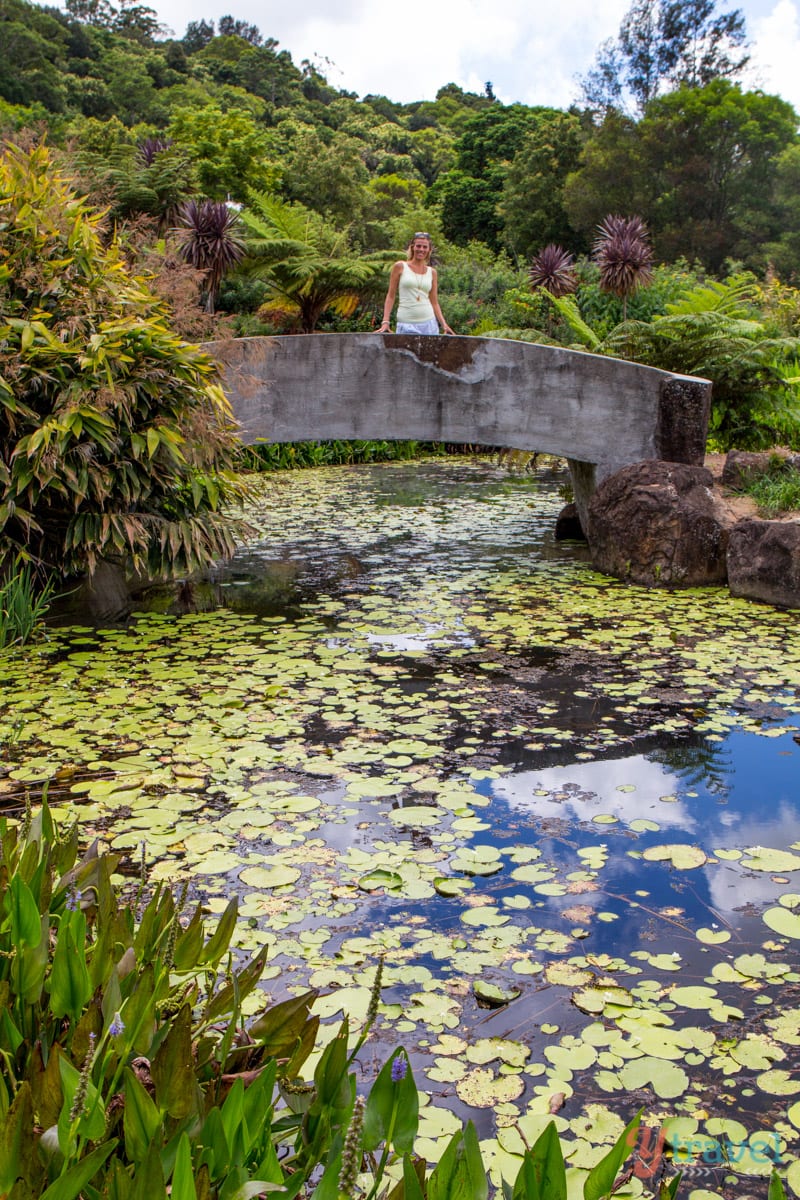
(413, 292)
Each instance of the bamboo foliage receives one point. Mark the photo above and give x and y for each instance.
(116, 440)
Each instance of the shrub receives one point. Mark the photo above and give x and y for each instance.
(116, 441)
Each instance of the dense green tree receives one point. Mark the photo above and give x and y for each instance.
(115, 440)
(469, 208)
(470, 191)
(532, 207)
(327, 174)
(701, 165)
(229, 151)
(612, 175)
(783, 253)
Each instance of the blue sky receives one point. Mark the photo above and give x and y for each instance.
(531, 50)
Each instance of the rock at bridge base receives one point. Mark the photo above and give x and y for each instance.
(568, 525)
(659, 524)
(764, 561)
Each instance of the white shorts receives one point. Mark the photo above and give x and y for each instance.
(426, 328)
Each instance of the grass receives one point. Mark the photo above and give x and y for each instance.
(776, 491)
(23, 606)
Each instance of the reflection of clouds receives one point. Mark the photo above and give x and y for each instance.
(731, 885)
(587, 790)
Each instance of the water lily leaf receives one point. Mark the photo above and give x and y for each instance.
(783, 921)
(666, 1079)
(778, 1082)
(377, 879)
(765, 858)
(492, 996)
(265, 876)
(480, 1088)
(417, 816)
(713, 937)
(682, 856)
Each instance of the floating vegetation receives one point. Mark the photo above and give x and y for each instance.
(562, 810)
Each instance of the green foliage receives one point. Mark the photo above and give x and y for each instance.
(716, 203)
(289, 456)
(116, 441)
(753, 404)
(126, 1068)
(229, 150)
(23, 605)
(532, 205)
(307, 263)
(776, 490)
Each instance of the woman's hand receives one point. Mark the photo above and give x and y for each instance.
(385, 327)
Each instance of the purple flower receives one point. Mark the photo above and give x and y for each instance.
(73, 900)
(117, 1026)
(399, 1068)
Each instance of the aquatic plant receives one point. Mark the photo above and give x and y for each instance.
(126, 1067)
(24, 601)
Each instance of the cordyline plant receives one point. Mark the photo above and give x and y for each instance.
(209, 240)
(553, 269)
(624, 255)
(116, 442)
(128, 1072)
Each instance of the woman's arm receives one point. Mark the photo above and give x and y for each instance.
(435, 303)
(391, 295)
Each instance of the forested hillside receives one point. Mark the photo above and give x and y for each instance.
(250, 191)
(150, 120)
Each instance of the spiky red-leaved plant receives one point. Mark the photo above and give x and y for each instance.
(208, 238)
(553, 268)
(624, 255)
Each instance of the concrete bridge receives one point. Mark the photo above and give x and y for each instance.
(599, 413)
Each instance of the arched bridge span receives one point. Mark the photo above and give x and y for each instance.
(599, 413)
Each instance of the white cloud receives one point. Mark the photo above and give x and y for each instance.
(776, 51)
(531, 52)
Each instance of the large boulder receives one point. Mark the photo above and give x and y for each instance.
(660, 524)
(764, 561)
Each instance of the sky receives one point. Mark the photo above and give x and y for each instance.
(531, 50)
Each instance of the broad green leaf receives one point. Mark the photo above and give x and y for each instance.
(392, 1110)
(141, 1119)
(173, 1070)
(17, 1149)
(600, 1180)
(183, 1174)
(70, 986)
(74, 1180)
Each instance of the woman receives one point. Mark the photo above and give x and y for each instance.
(414, 283)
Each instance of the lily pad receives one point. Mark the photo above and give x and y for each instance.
(682, 856)
(492, 996)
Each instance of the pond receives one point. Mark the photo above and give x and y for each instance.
(406, 724)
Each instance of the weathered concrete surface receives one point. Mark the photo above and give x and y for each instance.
(601, 412)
